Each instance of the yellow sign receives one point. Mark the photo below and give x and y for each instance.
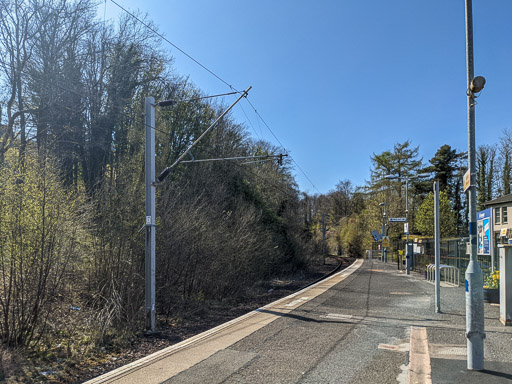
(467, 180)
(503, 232)
(385, 241)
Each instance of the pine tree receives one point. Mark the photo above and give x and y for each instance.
(402, 162)
(425, 216)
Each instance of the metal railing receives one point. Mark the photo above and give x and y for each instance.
(453, 254)
(447, 273)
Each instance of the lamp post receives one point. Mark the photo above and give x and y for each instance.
(384, 233)
(475, 333)
(408, 253)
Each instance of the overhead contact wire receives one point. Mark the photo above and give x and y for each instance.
(174, 45)
(219, 78)
(281, 144)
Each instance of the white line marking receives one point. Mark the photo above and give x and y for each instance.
(295, 302)
(389, 347)
(337, 316)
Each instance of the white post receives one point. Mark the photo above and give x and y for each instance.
(505, 252)
(491, 241)
(437, 246)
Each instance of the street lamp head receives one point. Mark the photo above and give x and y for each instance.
(381, 204)
(391, 177)
(423, 175)
(477, 84)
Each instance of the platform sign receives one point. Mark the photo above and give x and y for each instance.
(397, 219)
(485, 232)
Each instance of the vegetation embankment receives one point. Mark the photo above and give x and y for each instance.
(72, 193)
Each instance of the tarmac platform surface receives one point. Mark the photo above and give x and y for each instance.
(368, 324)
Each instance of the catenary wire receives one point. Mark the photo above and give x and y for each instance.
(202, 97)
(219, 78)
(243, 168)
(282, 146)
(250, 123)
(264, 179)
(174, 45)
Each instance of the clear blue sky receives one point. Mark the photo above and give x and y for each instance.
(339, 80)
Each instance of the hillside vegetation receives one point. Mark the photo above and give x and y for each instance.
(72, 193)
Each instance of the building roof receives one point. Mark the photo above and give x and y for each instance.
(499, 200)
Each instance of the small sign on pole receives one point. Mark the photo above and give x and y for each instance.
(467, 180)
(397, 219)
(376, 235)
(406, 228)
(385, 241)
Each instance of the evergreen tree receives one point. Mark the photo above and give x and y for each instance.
(425, 216)
(448, 167)
(402, 162)
(443, 166)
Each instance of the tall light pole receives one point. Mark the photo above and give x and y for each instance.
(408, 253)
(474, 281)
(384, 233)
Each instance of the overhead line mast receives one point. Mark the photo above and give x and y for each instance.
(151, 182)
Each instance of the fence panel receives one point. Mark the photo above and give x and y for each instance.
(453, 253)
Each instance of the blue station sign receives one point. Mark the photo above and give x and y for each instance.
(485, 232)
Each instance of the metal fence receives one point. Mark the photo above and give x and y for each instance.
(453, 253)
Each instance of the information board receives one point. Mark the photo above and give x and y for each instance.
(484, 232)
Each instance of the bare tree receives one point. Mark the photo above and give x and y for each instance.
(39, 242)
(17, 30)
(505, 158)
(486, 158)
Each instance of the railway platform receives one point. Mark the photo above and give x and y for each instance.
(366, 324)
